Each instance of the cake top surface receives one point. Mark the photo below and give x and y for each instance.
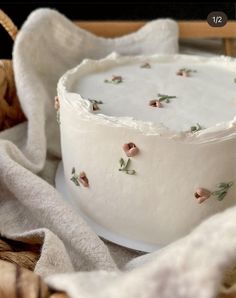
(182, 93)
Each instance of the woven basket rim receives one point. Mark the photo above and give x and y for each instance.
(8, 24)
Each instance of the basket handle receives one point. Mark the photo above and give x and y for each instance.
(8, 24)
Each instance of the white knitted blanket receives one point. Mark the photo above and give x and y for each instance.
(73, 258)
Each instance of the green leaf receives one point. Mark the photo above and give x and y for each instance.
(122, 162)
(127, 163)
(124, 166)
(95, 101)
(223, 190)
(195, 128)
(73, 170)
(222, 195)
(145, 65)
(223, 185)
(188, 70)
(76, 182)
(217, 192)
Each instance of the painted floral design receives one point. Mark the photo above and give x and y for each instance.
(130, 149)
(165, 98)
(157, 103)
(222, 190)
(196, 128)
(203, 194)
(81, 178)
(95, 104)
(75, 177)
(114, 80)
(124, 166)
(185, 72)
(146, 65)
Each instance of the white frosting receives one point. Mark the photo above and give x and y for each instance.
(157, 205)
(207, 97)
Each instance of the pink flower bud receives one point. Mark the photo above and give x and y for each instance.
(202, 195)
(183, 73)
(130, 149)
(155, 103)
(83, 179)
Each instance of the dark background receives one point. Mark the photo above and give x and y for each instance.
(89, 10)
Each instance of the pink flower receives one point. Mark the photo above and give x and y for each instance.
(202, 195)
(117, 78)
(83, 179)
(130, 149)
(183, 73)
(56, 103)
(155, 103)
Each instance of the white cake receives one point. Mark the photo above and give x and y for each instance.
(149, 142)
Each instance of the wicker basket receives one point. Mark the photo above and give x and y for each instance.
(10, 110)
(17, 260)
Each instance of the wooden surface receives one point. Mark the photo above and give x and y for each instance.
(187, 29)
